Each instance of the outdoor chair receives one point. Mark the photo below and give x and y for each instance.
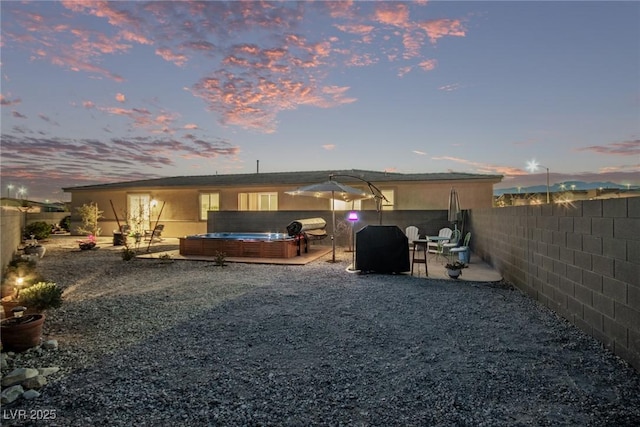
(412, 234)
(452, 243)
(154, 235)
(463, 249)
(436, 247)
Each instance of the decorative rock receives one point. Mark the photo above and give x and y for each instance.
(30, 394)
(48, 371)
(50, 345)
(18, 375)
(3, 361)
(34, 382)
(10, 394)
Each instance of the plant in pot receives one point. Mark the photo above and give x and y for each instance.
(454, 269)
(19, 275)
(24, 330)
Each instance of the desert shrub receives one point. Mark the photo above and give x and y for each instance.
(41, 296)
(90, 215)
(65, 224)
(40, 230)
(128, 254)
(220, 258)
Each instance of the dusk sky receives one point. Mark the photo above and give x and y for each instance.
(95, 91)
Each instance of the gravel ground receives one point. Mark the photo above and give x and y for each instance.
(183, 343)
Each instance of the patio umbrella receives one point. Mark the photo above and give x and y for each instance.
(331, 190)
(454, 208)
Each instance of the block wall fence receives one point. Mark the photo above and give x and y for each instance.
(581, 260)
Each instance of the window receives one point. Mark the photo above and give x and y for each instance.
(258, 201)
(341, 205)
(209, 202)
(390, 195)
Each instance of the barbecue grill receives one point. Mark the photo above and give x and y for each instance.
(382, 249)
(307, 229)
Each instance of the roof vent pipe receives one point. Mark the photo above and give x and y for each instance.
(257, 166)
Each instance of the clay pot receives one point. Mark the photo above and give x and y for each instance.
(20, 334)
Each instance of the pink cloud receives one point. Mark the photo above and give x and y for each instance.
(439, 28)
(624, 148)
(5, 102)
(120, 97)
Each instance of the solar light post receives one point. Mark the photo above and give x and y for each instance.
(353, 218)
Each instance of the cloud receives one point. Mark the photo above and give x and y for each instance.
(624, 148)
(120, 97)
(420, 153)
(329, 147)
(5, 102)
(260, 57)
(18, 115)
(450, 88)
(66, 161)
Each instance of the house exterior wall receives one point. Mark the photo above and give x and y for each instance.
(581, 260)
(180, 205)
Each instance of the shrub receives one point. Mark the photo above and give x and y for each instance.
(219, 258)
(40, 230)
(65, 224)
(90, 216)
(41, 296)
(128, 254)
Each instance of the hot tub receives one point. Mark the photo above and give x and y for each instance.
(256, 245)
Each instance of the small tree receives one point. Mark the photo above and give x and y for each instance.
(90, 216)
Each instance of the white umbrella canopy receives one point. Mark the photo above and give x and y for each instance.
(331, 190)
(454, 207)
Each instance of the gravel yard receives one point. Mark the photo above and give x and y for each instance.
(185, 343)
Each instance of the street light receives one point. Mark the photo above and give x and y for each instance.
(9, 188)
(532, 166)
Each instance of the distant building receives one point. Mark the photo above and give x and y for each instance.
(568, 196)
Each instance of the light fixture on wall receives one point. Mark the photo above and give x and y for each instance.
(153, 203)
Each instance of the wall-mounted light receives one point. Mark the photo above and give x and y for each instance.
(154, 203)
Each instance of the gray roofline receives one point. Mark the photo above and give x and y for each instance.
(294, 178)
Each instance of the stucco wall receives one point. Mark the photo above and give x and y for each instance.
(10, 226)
(582, 260)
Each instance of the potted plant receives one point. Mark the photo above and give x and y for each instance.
(454, 269)
(19, 275)
(88, 243)
(24, 329)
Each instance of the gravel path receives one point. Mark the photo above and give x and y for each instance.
(147, 343)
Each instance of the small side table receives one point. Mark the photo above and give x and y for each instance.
(420, 245)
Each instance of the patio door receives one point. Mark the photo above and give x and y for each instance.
(138, 212)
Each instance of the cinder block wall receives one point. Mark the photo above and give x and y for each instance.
(582, 260)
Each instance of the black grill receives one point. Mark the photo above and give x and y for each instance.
(382, 249)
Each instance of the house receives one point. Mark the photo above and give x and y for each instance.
(183, 204)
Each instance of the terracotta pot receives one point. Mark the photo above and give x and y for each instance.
(22, 336)
(8, 304)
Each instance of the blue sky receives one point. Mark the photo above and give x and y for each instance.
(96, 92)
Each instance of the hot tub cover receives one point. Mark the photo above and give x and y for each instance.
(300, 225)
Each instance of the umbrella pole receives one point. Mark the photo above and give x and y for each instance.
(333, 229)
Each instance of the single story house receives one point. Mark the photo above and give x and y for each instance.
(183, 204)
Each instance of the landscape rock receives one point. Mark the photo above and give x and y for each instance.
(50, 345)
(11, 394)
(18, 375)
(49, 370)
(34, 382)
(30, 394)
